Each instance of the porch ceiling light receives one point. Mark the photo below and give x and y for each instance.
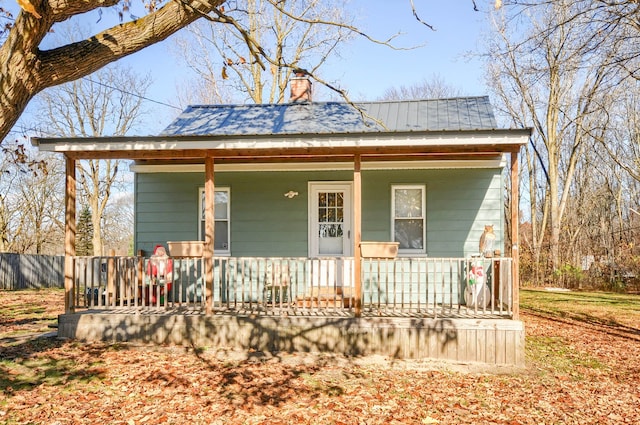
(291, 194)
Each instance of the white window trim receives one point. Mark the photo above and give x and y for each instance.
(423, 189)
(218, 252)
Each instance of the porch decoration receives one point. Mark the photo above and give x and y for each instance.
(186, 249)
(476, 293)
(160, 273)
(370, 249)
(487, 241)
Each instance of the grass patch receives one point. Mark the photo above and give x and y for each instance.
(604, 308)
(556, 356)
(323, 385)
(38, 362)
(29, 373)
(29, 311)
(21, 311)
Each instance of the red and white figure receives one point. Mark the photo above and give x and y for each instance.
(476, 293)
(160, 273)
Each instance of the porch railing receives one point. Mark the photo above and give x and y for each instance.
(297, 285)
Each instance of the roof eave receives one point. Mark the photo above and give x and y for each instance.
(499, 137)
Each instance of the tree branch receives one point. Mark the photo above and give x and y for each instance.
(25, 70)
(86, 56)
(415, 14)
(61, 10)
(276, 4)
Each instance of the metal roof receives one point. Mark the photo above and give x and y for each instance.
(455, 114)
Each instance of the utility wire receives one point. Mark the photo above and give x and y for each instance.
(130, 94)
(22, 132)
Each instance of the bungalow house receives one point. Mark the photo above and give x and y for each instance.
(316, 226)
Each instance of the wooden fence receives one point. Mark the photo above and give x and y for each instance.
(25, 271)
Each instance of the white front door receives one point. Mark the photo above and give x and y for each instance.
(330, 234)
(330, 219)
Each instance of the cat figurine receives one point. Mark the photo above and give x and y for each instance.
(487, 241)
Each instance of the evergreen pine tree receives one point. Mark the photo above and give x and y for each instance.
(84, 233)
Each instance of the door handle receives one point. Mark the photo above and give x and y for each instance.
(348, 234)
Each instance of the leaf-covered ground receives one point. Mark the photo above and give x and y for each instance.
(583, 367)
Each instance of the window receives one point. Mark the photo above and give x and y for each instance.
(408, 216)
(222, 227)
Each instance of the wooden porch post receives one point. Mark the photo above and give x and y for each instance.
(209, 230)
(515, 238)
(357, 235)
(69, 235)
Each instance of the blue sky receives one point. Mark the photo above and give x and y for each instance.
(364, 69)
(371, 69)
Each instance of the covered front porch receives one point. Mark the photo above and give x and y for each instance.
(356, 284)
(410, 308)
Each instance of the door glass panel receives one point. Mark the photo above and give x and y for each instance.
(322, 199)
(322, 215)
(331, 231)
(330, 226)
(331, 215)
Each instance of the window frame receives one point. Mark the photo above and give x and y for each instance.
(423, 191)
(201, 218)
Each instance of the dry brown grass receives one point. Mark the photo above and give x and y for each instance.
(582, 369)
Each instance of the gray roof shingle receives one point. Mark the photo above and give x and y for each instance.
(456, 114)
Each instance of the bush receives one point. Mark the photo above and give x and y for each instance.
(568, 276)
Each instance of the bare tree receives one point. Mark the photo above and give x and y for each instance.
(553, 81)
(433, 88)
(11, 219)
(622, 141)
(606, 23)
(287, 34)
(107, 103)
(118, 217)
(30, 205)
(41, 203)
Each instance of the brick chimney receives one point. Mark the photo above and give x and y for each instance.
(300, 87)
